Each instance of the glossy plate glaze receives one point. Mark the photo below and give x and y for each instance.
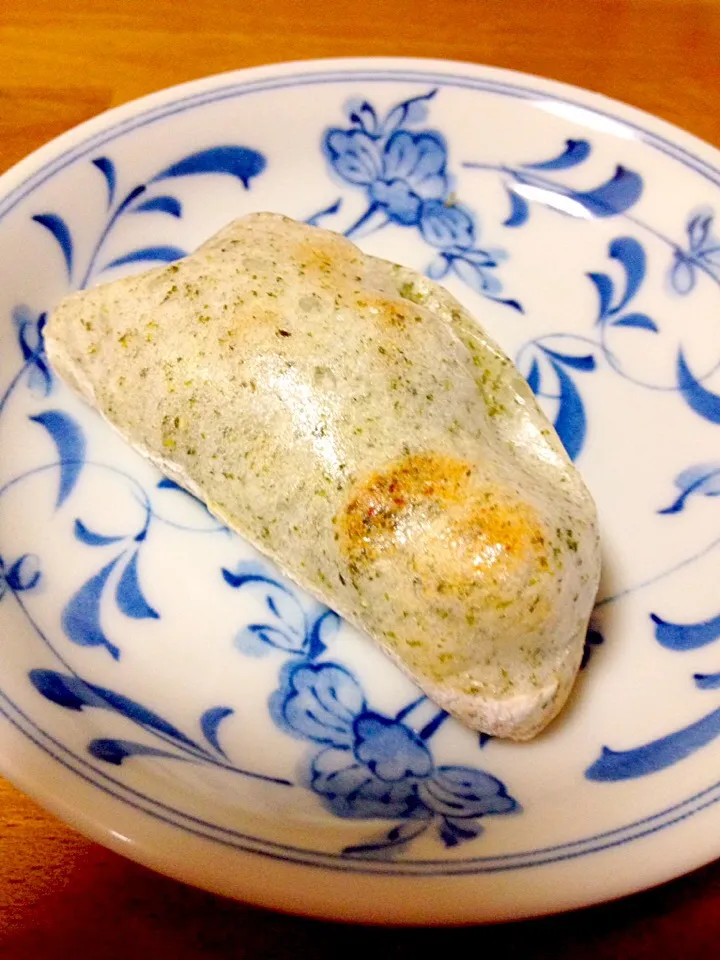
(167, 691)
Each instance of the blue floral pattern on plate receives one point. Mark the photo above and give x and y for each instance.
(392, 775)
(404, 174)
(369, 765)
(374, 766)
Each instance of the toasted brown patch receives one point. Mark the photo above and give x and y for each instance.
(455, 533)
(324, 256)
(246, 317)
(387, 312)
(379, 504)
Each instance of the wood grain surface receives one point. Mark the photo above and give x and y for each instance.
(63, 61)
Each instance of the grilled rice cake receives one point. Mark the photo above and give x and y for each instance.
(349, 418)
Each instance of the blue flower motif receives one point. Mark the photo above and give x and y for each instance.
(373, 766)
(351, 791)
(398, 168)
(702, 254)
(464, 793)
(354, 154)
(288, 628)
(390, 750)
(448, 227)
(365, 765)
(318, 702)
(399, 171)
(405, 176)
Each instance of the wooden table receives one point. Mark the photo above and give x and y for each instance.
(63, 61)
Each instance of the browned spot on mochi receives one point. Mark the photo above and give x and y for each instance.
(387, 312)
(455, 534)
(247, 317)
(325, 258)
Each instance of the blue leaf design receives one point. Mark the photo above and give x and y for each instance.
(519, 210)
(40, 378)
(59, 229)
(73, 693)
(575, 152)
(453, 831)
(479, 258)
(69, 442)
(66, 691)
(683, 274)
(138, 714)
(584, 362)
(239, 162)
(703, 479)
(363, 115)
(24, 574)
(210, 722)
(660, 754)
(593, 638)
(438, 267)
(354, 156)
(25, 327)
(85, 535)
(318, 702)
(513, 304)
(255, 639)
(447, 227)
(461, 792)
(290, 633)
(81, 616)
(615, 196)
(167, 484)
(630, 254)
(129, 596)
(710, 256)
(481, 280)
(685, 636)
(533, 377)
(412, 111)
(322, 633)
(243, 578)
(570, 423)
(699, 399)
(30, 331)
(136, 192)
(707, 681)
(115, 751)
(638, 320)
(604, 286)
(148, 255)
(165, 204)
(395, 838)
(698, 230)
(107, 168)
(315, 219)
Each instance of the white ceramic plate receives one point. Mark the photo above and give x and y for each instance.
(165, 690)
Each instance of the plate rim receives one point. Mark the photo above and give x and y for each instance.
(634, 116)
(108, 122)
